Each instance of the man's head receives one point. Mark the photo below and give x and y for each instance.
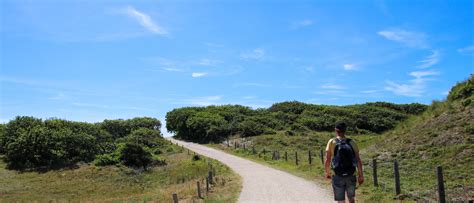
(340, 127)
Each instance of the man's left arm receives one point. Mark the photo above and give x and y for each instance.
(360, 171)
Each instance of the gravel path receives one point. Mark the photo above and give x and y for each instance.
(262, 183)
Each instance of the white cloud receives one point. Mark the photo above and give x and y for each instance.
(332, 87)
(145, 21)
(411, 39)
(253, 84)
(255, 54)
(421, 74)
(413, 88)
(209, 62)
(469, 50)
(430, 60)
(173, 69)
(205, 101)
(302, 23)
(369, 91)
(349, 67)
(60, 96)
(198, 74)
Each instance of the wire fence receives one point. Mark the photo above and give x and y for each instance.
(204, 185)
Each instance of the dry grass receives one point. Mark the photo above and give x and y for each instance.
(89, 183)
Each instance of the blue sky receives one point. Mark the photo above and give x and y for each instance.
(95, 60)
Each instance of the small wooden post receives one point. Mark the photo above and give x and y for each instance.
(309, 157)
(442, 195)
(296, 158)
(199, 189)
(228, 143)
(322, 156)
(397, 178)
(374, 173)
(253, 150)
(244, 147)
(286, 156)
(207, 184)
(175, 198)
(210, 177)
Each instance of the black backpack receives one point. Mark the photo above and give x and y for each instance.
(344, 161)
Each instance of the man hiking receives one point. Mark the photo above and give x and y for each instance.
(342, 155)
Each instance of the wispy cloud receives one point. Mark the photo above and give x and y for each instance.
(198, 74)
(407, 38)
(332, 87)
(255, 54)
(301, 23)
(58, 97)
(368, 91)
(173, 69)
(430, 60)
(205, 101)
(350, 67)
(413, 88)
(100, 106)
(469, 50)
(209, 62)
(145, 20)
(252, 84)
(422, 74)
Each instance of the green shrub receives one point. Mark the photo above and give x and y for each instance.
(2, 135)
(134, 155)
(31, 143)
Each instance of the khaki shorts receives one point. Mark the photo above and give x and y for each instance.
(342, 185)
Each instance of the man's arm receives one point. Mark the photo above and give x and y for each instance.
(327, 163)
(360, 171)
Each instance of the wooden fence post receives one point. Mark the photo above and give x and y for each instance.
(442, 195)
(207, 184)
(296, 158)
(175, 198)
(210, 177)
(374, 173)
(199, 189)
(309, 157)
(397, 177)
(286, 156)
(322, 156)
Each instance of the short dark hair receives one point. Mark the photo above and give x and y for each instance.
(341, 125)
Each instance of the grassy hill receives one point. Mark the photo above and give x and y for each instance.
(443, 135)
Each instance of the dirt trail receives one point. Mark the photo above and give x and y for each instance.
(262, 183)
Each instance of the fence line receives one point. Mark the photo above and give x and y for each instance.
(209, 179)
(394, 181)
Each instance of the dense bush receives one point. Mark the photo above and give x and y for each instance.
(2, 135)
(31, 143)
(462, 90)
(214, 123)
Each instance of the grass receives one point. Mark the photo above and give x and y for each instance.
(418, 177)
(121, 184)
